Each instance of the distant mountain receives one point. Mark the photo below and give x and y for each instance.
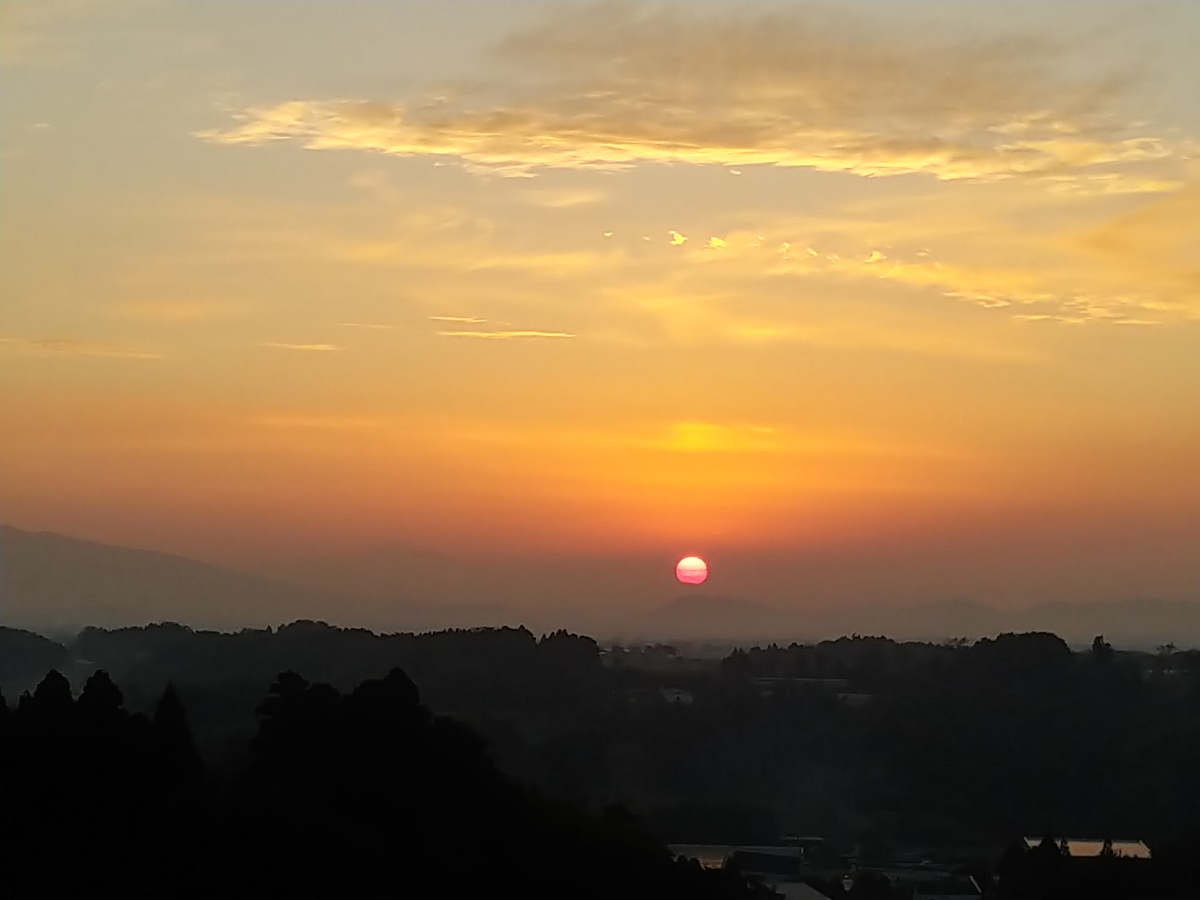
(53, 583)
(24, 655)
(56, 584)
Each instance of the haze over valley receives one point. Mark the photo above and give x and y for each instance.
(58, 585)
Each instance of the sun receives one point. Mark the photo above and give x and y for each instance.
(691, 570)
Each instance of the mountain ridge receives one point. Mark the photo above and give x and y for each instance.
(56, 583)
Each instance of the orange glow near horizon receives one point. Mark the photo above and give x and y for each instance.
(256, 312)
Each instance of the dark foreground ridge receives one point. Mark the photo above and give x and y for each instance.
(366, 794)
(885, 755)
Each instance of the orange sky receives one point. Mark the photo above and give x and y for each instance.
(913, 291)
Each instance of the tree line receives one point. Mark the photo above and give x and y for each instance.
(364, 793)
(868, 742)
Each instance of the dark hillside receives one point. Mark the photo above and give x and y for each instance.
(360, 794)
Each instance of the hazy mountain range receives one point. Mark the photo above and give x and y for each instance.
(56, 584)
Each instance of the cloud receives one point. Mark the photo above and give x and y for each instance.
(506, 335)
(72, 347)
(613, 84)
(469, 320)
(308, 347)
(1017, 252)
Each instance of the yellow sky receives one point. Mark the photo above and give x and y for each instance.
(865, 280)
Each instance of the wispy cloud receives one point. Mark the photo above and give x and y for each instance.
(468, 320)
(72, 347)
(505, 335)
(307, 347)
(617, 83)
(991, 246)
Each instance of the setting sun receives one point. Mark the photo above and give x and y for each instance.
(364, 365)
(691, 570)
(870, 303)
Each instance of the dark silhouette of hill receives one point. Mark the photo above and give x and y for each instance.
(358, 794)
(501, 674)
(860, 739)
(24, 655)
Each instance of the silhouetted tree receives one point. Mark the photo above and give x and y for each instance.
(284, 702)
(52, 700)
(100, 700)
(362, 794)
(737, 664)
(1102, 650)
(175, 747)
(962, 743)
